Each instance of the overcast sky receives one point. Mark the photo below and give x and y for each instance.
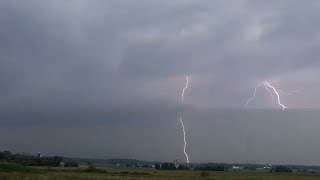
(113, 68)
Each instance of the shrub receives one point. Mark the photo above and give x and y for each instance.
(12, 167)
(282, 169)
(205, 174)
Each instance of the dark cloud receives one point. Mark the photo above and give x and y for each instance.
(220, 135)
(63, 61)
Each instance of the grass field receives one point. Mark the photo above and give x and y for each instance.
(14, 172)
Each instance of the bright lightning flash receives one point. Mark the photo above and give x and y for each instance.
(183, 90)
(269, 91)
(184, 132)
(253, 96)
(277, 94)
(272, 90)
(185, 141)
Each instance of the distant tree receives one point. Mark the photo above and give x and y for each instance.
(183, 167)
(168, 166)
(91, 167)
(165, 166)
(29, 160)
(157, 166)
(282, 169)
(210, 167)
(56, 160)
(71, 164)
(7, 155)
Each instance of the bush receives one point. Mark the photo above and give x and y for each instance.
(168, 166)
(93, 169)
(71, 164)
(211, 167)
(183, 167)
(157, 166)
(282, 169)
(11, 167)
(205, 174)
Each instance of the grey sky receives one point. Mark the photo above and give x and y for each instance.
(90, 62)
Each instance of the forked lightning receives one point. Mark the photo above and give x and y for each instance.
(272, 90)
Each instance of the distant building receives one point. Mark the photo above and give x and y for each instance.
(175, 162)
(267, 166)
(39, 155)
(234, 167)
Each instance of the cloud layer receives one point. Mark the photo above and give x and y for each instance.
(125, 56)
(92, 50)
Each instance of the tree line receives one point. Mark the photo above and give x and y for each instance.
(217, 167)
(172, 166)
(30, 160)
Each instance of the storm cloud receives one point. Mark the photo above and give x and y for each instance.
(78, 63)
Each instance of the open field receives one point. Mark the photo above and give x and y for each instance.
(142, 174)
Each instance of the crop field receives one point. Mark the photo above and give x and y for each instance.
(15, 172)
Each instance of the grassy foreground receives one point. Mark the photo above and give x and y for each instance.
(15, 172)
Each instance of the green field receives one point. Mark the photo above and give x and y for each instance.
(11, 171)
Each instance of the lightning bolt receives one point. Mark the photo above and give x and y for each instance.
(253, 96)
(185, 141)
(272, 90)
(277, 94)
(183, 90)
(269, 91)
(182, 124)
